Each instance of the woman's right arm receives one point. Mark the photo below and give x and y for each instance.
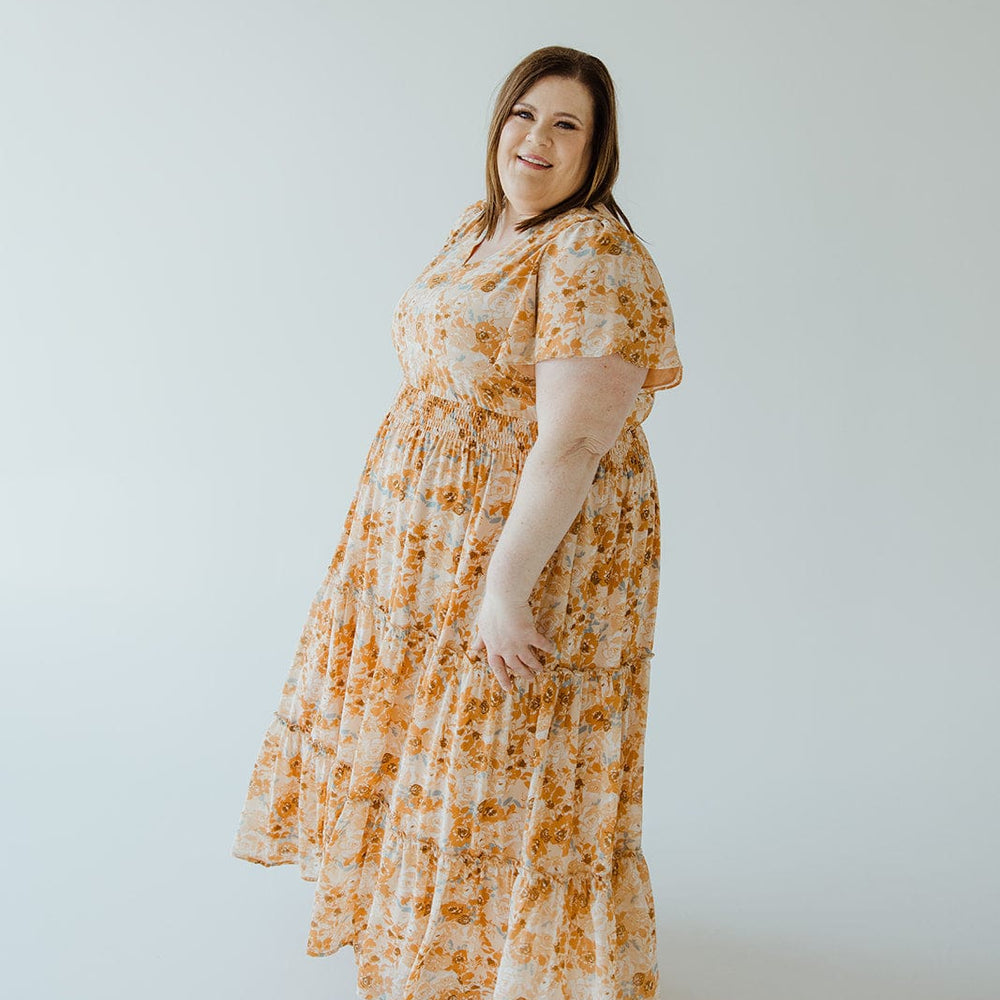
(581, 405)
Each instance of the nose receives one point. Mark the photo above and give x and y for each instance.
(538, 135)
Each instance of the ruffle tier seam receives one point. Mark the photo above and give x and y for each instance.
(477, 858)
(384, 617)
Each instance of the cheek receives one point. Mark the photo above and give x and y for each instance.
(508, 142)
(581, 155)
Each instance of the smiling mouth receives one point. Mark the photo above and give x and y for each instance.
(534, 163)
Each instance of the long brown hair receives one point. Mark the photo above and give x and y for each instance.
(572, 64)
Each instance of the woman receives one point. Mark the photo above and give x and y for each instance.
(457, 756)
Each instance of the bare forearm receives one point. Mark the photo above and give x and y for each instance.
(554, 483)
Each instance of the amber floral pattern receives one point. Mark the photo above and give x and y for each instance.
(471, 844)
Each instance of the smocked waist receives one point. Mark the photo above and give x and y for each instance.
(468, 420)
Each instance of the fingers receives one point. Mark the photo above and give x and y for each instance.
(506, 669)
(517, 666)
(528, 658)
(499, 668)
(545, 643)
(531, 661)
(507, 666)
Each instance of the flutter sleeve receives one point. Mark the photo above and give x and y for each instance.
(457, 228)
(595, 292)
(464, 218)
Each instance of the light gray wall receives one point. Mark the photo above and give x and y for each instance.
(208, 213)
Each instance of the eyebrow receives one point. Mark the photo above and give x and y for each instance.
(530, 107)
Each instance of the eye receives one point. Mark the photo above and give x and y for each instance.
(569, 125)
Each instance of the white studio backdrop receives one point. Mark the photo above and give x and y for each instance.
(207, 214)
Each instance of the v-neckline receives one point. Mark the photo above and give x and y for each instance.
(496, 253)
(515, 240)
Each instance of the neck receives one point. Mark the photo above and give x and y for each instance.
(509, 217)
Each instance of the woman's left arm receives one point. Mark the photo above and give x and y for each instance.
(581, 406)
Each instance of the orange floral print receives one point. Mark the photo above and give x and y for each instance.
(467, 843)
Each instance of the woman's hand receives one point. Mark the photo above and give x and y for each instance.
(506, 629)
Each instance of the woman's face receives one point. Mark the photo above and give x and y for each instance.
(551, 121)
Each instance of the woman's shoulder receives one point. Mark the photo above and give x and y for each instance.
(462, 223)
(469, 214)
(584, 230)
(595, 227)
(594, 237)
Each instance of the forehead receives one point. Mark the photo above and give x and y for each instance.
(559, 95)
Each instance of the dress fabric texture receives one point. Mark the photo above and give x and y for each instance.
(469, 843)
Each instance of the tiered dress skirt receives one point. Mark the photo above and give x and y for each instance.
(469, 843)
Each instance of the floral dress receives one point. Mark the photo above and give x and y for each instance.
(467, 842)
